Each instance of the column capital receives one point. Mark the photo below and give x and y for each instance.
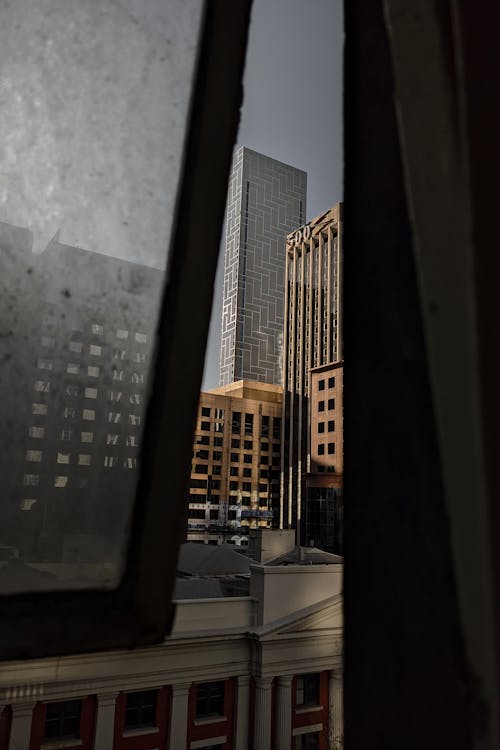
(107, 698)
(337, 673)
(243, 680)
(285, 680)
(23, 708)
(181, 689)
(263, 683)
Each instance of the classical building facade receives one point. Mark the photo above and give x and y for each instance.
(234, 483)
(251, 672)
(266, 200)
(312, 339)
(77, 337)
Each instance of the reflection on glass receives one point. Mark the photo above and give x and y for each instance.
(94, 100)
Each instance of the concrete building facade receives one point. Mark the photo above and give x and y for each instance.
(78, 337)
(312, 339)
(234, 482)
(266, 200)
(260, 671)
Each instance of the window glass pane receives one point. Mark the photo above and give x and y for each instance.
(94, 101)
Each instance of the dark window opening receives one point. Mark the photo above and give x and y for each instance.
(140, 709)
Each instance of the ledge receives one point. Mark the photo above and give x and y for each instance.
(140, 731)
(209, 720)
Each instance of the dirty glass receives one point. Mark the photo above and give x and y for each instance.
(94, 99)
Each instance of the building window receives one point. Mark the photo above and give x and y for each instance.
(87, 437)
(45, 364)
(276, 429)
(93, 372)
(321, 406)
(60, 481)
(247, 459)
(205, 426)
(62, 720)
(35, 456)
(97, 329)
(236, 422)
(217, 456)
(218, 426)
(88, 415)
(264, 446)
(201, 469)
(264, 459)
(247, 486)
(203, 454)
(72, 368)
(63, 458)
(248, 424)
(331, 403)
(90, 392)
(234, 457)
(210, 699)
(219, 413)
(218, 441)
(307, 689)
(216, 482)
(233, 471)
(321, 449)
(202, 440)
(40, 409)
(95, 350)
(141, 338)
(216, 470)
(121, 334)
(112, 438)
(140, 709)
(331, 448)
(331, 425)
(247, 472)
(75, 346)
(84, 459)
(233, 485)
(31, 480)
(41, 386)
(309, 741)
(205, 411)
(264, 427)
(321, 385)
(331, 382)
(248, 445)
(321, 426)
(235, 443)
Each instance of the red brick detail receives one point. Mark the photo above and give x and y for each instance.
(5, 723)
(143, 741)
(87, 726)
(218, 728)
(308, 718)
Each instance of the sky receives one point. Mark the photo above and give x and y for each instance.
(292, 109)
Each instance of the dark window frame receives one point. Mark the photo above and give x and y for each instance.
(86, 620)
(145, 704)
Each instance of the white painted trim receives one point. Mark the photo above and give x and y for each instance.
(308, 709)
(209, 720)
(208, 742)
(306, 730)
(140, 731)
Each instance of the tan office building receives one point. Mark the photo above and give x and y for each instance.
(235, 470)
(312, 339)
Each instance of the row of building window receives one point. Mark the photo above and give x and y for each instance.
(321, 384)
(98, 330)
(33, 480)
(331, 426)
(330, 448)
(331, 405)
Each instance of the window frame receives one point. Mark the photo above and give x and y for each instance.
(140, 611)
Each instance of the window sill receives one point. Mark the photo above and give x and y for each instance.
(63, 743)
(209, 720)
(308, 709)
(139, 731)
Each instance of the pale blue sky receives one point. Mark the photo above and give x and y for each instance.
(292, 109)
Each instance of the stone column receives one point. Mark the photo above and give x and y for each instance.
(179, 716)
(262, 719)
(242, 713)
(105, 723)
(284, 713)
(336, 710)
(20, 732)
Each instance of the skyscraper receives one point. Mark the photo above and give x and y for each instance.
(312, 339)
(266, 200)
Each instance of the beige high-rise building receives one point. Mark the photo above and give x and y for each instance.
(312, 339)
(234, 484)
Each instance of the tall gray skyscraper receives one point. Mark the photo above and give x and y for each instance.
(266, 201)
